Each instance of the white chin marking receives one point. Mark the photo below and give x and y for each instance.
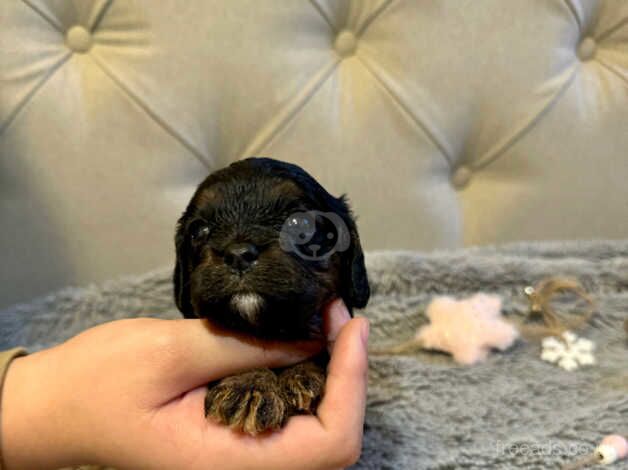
(248, 305)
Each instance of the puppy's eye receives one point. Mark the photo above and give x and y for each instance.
(199, 231)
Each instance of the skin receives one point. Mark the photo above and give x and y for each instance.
(130, 393)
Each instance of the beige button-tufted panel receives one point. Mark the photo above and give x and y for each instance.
(448, 122)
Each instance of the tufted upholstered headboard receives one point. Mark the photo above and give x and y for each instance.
(448, 122)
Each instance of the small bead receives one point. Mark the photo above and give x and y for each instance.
(606, 453)
(619, 443)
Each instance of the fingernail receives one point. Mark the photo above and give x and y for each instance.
(364, 332)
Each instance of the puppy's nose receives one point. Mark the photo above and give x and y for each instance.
(240, 256)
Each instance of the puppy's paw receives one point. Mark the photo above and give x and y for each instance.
(250, 402)
(302, 387)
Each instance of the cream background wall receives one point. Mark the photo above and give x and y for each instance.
(448, 122)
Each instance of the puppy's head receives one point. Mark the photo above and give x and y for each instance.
(262, 247)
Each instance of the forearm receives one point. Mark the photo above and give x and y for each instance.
(35, 433)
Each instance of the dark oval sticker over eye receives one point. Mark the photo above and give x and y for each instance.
(314, 235)
(300, 226)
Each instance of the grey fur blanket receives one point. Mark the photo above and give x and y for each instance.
(424, 411)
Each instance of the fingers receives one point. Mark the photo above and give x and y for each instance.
(331, 440)
(342, 407)
(334, 440)
(199, 353)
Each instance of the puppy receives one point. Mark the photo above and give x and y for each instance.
(261, 249)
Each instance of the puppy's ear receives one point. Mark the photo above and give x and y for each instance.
(355, 285)
(181, 275)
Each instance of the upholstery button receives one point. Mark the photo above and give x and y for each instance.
(346, 43)
(587, 48)
(461, 177)
(78, 39)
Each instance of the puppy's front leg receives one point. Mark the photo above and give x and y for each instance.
(251, 402)
(302, 386)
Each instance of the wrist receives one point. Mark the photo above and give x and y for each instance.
(36, 433)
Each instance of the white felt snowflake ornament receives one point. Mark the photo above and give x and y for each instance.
(570, 353)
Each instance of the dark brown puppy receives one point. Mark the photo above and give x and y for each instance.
(261, 249)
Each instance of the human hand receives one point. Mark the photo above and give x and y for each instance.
(130, 394)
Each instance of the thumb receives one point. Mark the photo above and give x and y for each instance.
(335, 317)
(343, 404)
(203, 352)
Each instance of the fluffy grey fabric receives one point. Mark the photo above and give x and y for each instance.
(424, 411)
